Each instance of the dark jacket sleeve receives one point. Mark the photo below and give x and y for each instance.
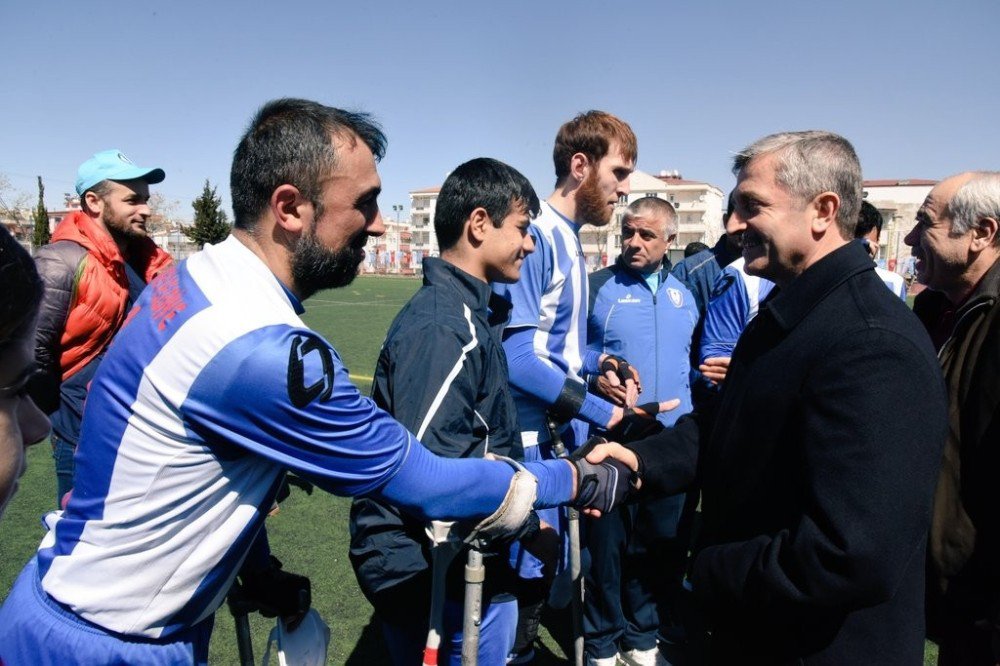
(669, 459)
(57, 265)
(873, 428)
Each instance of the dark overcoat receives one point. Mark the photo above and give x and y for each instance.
(817, 472)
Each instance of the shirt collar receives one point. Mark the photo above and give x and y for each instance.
(791, 304)
(987, 290)
(292, 298)
(572, 225)
(473, 291)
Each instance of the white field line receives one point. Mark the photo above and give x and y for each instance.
(316, 302)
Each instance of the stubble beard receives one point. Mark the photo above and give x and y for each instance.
(121, 230)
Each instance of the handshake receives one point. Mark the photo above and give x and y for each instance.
(603, 484)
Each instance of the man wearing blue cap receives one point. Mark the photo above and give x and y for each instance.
(97, 263)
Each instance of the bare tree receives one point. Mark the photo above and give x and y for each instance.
(162, 213)
(14, 206)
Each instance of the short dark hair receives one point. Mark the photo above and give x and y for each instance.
(591, 133)
(480, 183)
(22, 288)
(101, 188)
(694, 248)
(868, 218)
(290, 141)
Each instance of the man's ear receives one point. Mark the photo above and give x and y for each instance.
(95, 204)
(478, 224)
(984, 233)
(825, 206)
(289, 208)
(579, 167)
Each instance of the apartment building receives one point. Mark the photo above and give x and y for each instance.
(392, 252)
(423, 240)
(699, 209)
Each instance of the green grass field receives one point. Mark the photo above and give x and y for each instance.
(309, 534)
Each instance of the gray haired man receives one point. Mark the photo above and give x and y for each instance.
(815, 498)
(956, 243)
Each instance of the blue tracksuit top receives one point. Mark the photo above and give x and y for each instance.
(652, 331)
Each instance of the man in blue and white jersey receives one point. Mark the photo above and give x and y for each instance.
(639, 311)
(546, 337)
(735, 301)
(212, 389)
(699, 271)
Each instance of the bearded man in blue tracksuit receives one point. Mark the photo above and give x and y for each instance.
(640, 312)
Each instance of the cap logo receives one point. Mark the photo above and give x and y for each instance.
(125, 159)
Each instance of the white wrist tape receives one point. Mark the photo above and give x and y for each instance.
(514, 510)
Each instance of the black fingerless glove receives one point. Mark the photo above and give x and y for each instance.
(637, 423)
(603, 485)
(276, 592)
(620, 367)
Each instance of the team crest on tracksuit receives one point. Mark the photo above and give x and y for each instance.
(676, 297)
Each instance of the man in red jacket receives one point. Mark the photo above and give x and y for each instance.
(99, 260)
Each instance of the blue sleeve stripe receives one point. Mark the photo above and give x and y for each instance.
(435, 488)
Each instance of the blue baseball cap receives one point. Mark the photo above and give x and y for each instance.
(113, 165)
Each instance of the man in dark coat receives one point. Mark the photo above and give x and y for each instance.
(957, 247)
(818, 469)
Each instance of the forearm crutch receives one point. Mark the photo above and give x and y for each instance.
(575, 569)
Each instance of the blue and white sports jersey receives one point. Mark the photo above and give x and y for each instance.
(736, 298)
(551, 297)
(894, 281)
(217, 388)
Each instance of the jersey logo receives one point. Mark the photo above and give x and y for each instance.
(676, 297)
(300, 394)
(167, 298)
(629, 298)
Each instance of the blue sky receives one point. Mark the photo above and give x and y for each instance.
(915, 86)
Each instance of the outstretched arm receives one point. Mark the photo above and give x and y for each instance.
(567, 395)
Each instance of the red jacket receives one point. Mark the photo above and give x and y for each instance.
(92, 270)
